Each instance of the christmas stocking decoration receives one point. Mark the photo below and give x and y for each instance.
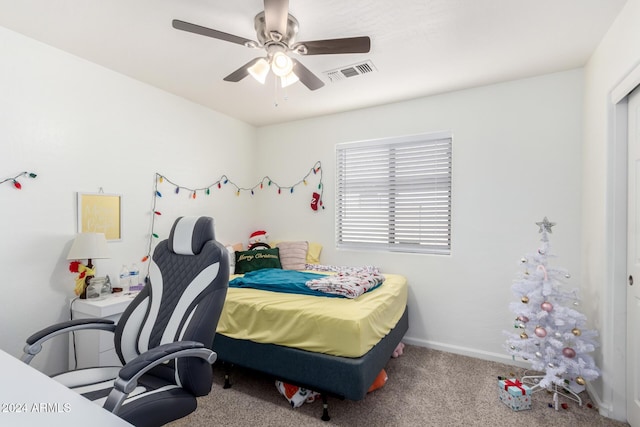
(315, 198)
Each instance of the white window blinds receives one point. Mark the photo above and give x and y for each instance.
(395, 194)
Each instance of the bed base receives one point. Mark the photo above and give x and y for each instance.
(342, 377)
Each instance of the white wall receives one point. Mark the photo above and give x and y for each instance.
(81, 127)
(603, 228)
(516, 159)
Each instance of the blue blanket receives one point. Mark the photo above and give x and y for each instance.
(278, 280)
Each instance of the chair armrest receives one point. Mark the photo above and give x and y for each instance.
(130, 373)
(35, 341)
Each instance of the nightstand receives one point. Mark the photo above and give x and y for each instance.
(96, 348)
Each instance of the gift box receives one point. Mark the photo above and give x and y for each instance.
(514, 394)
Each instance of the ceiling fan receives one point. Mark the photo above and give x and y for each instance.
(276, 32)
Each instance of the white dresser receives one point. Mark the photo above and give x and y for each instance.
(92, 347)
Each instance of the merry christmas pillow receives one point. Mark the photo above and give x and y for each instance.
(247, 261)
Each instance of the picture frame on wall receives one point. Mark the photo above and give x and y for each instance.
(100, 213)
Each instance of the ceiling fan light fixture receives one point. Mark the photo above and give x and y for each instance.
(289, 79)
(276, 32)
(281, 64)
(259, 70)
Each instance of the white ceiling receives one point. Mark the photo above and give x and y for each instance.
(418, 47)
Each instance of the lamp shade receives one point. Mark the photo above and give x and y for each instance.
(281, 64)
(89, 246)
(259, 70)
(289, 79)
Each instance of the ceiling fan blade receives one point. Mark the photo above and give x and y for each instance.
(204, 31)
(334, 46)
(307, 78)
(241, 72)
(276, 13)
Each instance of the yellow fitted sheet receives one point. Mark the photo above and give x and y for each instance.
(336, 326)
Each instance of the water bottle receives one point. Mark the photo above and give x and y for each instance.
(134, 275)
(123, 281)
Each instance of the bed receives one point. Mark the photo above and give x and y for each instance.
(334, 346)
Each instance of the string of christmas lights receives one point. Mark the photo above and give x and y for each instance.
(14, 180)
(224, 181)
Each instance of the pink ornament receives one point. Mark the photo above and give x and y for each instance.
(569, 352)
(524, 319)
(546, 306)
(540, 332)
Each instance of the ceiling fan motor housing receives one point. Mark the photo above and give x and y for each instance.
(266, 38)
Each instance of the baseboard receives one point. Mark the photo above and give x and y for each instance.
(604, 409)
(467, 351)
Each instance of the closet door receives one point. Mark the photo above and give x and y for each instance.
(633, 262)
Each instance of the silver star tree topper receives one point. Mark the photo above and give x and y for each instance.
(545, 225)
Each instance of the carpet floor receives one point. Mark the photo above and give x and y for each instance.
(425, 388)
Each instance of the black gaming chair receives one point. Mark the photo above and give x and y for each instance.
(165, 335)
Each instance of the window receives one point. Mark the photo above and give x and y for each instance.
(395, 194)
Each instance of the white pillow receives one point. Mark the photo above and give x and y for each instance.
(232, 258)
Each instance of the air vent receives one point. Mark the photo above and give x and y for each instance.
(349, 71)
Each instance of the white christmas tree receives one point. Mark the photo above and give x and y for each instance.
(548, 331)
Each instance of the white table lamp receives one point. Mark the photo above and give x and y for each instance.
(89, 246)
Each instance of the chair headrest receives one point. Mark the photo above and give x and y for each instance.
(190, 233)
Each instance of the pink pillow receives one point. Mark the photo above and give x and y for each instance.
(293, 255)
